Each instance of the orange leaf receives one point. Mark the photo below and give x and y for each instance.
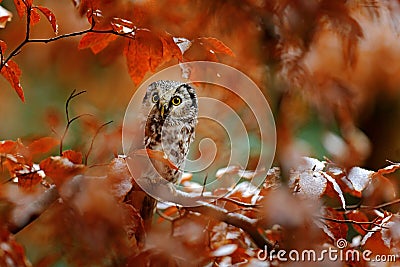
(50, 17)
(119, 178)
(170, 49)
(7, 146)
(157, 155)
(338, 230)
(12, 253)
(28, 3)
(12, 73)
(214, 45)
(122, 25)
(42, 145)
(4, 20)
(376, 244)
(16, 164)
(143, 54)
(29, 180)
(60, 169)
(168, 212)
(3, 46)
(96, 41)
(73, 156)
(35, 17)
(389, 169)
(358, 216)
(21, 7)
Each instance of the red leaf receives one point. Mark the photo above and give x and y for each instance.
(119, 178)
(143, 54)
(28, 3)
(122, 26)
(376, 244)
(60, 169)
(358, 216)
(157, 155)
(3, 46)
(5, 16)
(50, 17)
(21, 7)
(35, 17)
(337, 229)
(73, 156)
(42, 145)
(3, 21)
(389, 169)
(12, 253)
(96, 41)
(12, 73)
(7, 146)
(16, 165)
(168, 212)
(214, 45)
(170, 49)
(136, 60)
(29, 180)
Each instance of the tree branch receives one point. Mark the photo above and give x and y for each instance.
(28, 40)
(238, 220)
(350, 221)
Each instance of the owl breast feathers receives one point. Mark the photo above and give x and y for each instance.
(170, 114)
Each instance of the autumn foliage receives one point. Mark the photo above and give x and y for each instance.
(323, 66)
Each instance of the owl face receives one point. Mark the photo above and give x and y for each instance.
(168, 101)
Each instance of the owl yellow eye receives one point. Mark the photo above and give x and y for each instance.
(155, 98)
(176, 100)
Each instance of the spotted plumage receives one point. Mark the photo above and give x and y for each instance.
(170, 112)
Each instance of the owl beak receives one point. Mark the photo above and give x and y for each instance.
(163, 109)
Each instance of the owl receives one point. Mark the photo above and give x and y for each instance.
(170, 112)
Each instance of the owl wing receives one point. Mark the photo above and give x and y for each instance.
(187, 133)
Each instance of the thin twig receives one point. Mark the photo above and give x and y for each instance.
(383, 205)
(234, 201)
(238, 220)
(92, 142)
(366, 207)
(349, 221)
(28, 40)
(69, 121)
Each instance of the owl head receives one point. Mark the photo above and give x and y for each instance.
(171, 100)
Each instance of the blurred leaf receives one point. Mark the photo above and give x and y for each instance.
(7, 146)
(21, 7)
(42, 145)
(73, 156)
(12, 253)
(5, 16)
(119, 178)
(60, 169)
(3, 46)
(214, 45)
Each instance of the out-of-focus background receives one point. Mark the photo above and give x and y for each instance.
(329, 70)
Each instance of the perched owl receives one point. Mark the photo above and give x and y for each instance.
(170, 112)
